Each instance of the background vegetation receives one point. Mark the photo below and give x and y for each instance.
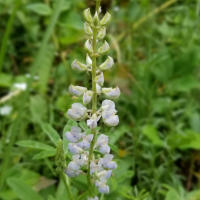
(156, 48)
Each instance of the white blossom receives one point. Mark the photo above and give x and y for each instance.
(78, 66)
(77, 112)
(107, 64)
(111, 92)
(100, 79)
(87, 97)
(104, 48)
(87, 15)
(20, 86)
(102, 187)
(88, 46)
(77, 90)
(73, 169)
(74, 135)
(85, 143)
(87, 29)
(92, 122)
(98, 88)
(105, 19)
(88, 60)
(5, 110)
(74, 148)
(101, 34)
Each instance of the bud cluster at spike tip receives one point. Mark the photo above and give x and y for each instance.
(80, 142)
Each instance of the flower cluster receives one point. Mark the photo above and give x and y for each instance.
(91, 152)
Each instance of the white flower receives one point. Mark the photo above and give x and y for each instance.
(5, 110)
(88, 46)
(107, 162)
(98, 88)
(93, 198)
(77, 90)
(87, 29)
(78, 66)
(92, 122)
(104, 48)
(20, 86)
(111, 92)
(74, 135)
(102, 144)
(112, 120)
(87, 97)
(101, 34)
(104, 174)
(74, 148)
(85, 143)
(102, 187)
(87, 15)
(88, 60)
(77, 112)
(107, 64)
(100, 79)
(105, 19)
(73, 169)
(81, 159)
(108, 105)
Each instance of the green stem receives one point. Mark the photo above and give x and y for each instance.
(67, 185)
(7, 33)
(94, 98)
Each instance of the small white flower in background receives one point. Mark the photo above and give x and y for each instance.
(20, 86)
(93, 198)
(111, 92)
(77, 112)
(77, 90)
(5, 110)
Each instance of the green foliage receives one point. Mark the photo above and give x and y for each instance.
(157, 69)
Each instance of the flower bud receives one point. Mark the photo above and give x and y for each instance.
(88, 60)
(111, 92)
(77, 112)
(87, 15)
(107, 64)
(79, 66)
(98, 89)
(88, 46)
(87, 97)
(87, 29)
(73, 169)
(74, 135)
(96, 19)
(101, 34)
(104, 48)
(74, 148)
(92, 122)
(100, 79)
(105, 19)
(77, 90)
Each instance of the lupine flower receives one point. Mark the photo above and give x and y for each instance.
(111, 92)
(77, 112)
(83, 153)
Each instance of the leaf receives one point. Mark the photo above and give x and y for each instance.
(40, 8)
(152, 134)
(38, 108)
(44, 154)
(172, 194)
(23, 191)
(5, 80)
(51, 133)
(35, 145)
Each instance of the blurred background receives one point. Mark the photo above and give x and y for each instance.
(155, 44)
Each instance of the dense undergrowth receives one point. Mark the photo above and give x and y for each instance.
(157, 143)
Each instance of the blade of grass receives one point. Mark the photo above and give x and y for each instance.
(8, 32)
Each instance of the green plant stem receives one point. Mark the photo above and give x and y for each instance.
(94, 99)
(67, 185)
(7, 32)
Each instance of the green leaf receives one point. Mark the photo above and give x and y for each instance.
(5, 80)
(39, 8)
(44, 154)
(172, 195)
(51, 133)
(151, 132)
(23, 191)
(35, 145)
